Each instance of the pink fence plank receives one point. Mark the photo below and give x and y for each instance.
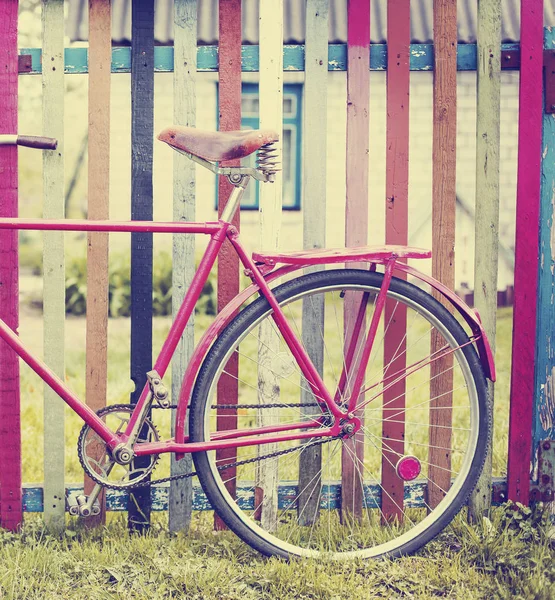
(356, 210)
(228, 263)
(526, 251)
(10, 434)
(396, 232)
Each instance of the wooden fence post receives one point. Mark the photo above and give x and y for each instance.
(53, 258)
(396, 232)
(356, 209)
(10, 458)
(488, 118)
(544, 406)
(314, 227)
(526, 250)
(229, 97)
(100, 56)
(183, 267)
(271, 117)
(443, 236)
(142, 132)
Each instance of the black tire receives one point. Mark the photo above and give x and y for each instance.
(432, 310)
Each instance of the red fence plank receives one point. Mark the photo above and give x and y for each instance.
(228, 262)
(396, 232)
(10, 457)
(443, 236)
(526, 251)
(356, 210)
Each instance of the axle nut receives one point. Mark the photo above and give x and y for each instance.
(125, 456)
(348, 428)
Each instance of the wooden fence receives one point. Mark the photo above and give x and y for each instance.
(532, 404)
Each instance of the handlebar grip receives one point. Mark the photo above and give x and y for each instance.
(37, 141)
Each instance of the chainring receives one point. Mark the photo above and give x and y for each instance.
(98, 463)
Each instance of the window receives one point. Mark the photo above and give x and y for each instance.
(291, 144)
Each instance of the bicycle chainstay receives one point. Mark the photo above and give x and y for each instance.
(238, 463)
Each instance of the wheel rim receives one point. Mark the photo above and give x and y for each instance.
(335, 532)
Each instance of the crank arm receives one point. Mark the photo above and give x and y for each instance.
(87, 506)
(80, 505)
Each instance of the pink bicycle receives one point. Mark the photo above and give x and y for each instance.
(362, 421)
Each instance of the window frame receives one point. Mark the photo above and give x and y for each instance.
(291, 121)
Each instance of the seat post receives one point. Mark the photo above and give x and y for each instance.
(240, 183)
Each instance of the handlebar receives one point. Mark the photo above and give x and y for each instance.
(30, 141)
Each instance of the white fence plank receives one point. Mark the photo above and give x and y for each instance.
(271, 117)
(314, 226)
(53, 259)
(184, 99)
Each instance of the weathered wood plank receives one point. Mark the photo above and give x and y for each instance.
(53, 89)
(314, 158)
(271, 117)
(396, 232)
(229, 97)
(488, 117)
(421, 58)
(100, 44)
(184, 113)
(142, 135)
(526, 250)
(544, 406)
(10, 434)
(356, 209)
(443, 235)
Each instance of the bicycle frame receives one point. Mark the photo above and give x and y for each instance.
(219, 231)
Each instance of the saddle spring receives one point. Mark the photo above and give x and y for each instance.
(266, 160)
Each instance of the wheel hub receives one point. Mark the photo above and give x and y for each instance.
(349, 427)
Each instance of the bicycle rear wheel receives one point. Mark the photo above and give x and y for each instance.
(394, 485)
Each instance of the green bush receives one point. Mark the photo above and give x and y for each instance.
(119, 287)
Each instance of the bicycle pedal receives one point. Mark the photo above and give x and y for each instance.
(78, 505)
(71, 504)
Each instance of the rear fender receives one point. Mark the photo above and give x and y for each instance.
(471, 317)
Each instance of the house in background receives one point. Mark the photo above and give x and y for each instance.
(420, 175)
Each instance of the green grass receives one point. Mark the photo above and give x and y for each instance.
(507, 557)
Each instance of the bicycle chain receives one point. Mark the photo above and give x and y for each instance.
(224, 467)
(220, 468)
(275, 405)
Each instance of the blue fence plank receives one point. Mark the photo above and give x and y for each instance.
(74, 59)
(116, 500)
(544, 408)
(421, 58)
(142, 135)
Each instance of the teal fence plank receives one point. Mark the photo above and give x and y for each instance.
(116, 500)
(75, 60)
(544, 407)
(421, 58)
